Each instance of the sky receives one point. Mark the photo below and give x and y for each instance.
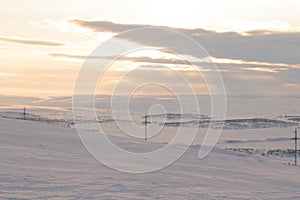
(255, 45)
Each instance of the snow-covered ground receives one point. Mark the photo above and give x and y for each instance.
(42, 157)
(46, 161)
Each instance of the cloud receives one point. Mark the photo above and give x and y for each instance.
(291, 85)
(254, 62)
(123, 58)
(30, 41)
(265, 69)
(6, 74)
(105, 26)
(255, 77)
(63, 55)
(255, 46)
(224, 65)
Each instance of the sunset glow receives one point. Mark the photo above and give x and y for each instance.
(43, 45)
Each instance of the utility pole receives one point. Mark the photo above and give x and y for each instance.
(24, 114)
(146, 121)
(296, 138)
